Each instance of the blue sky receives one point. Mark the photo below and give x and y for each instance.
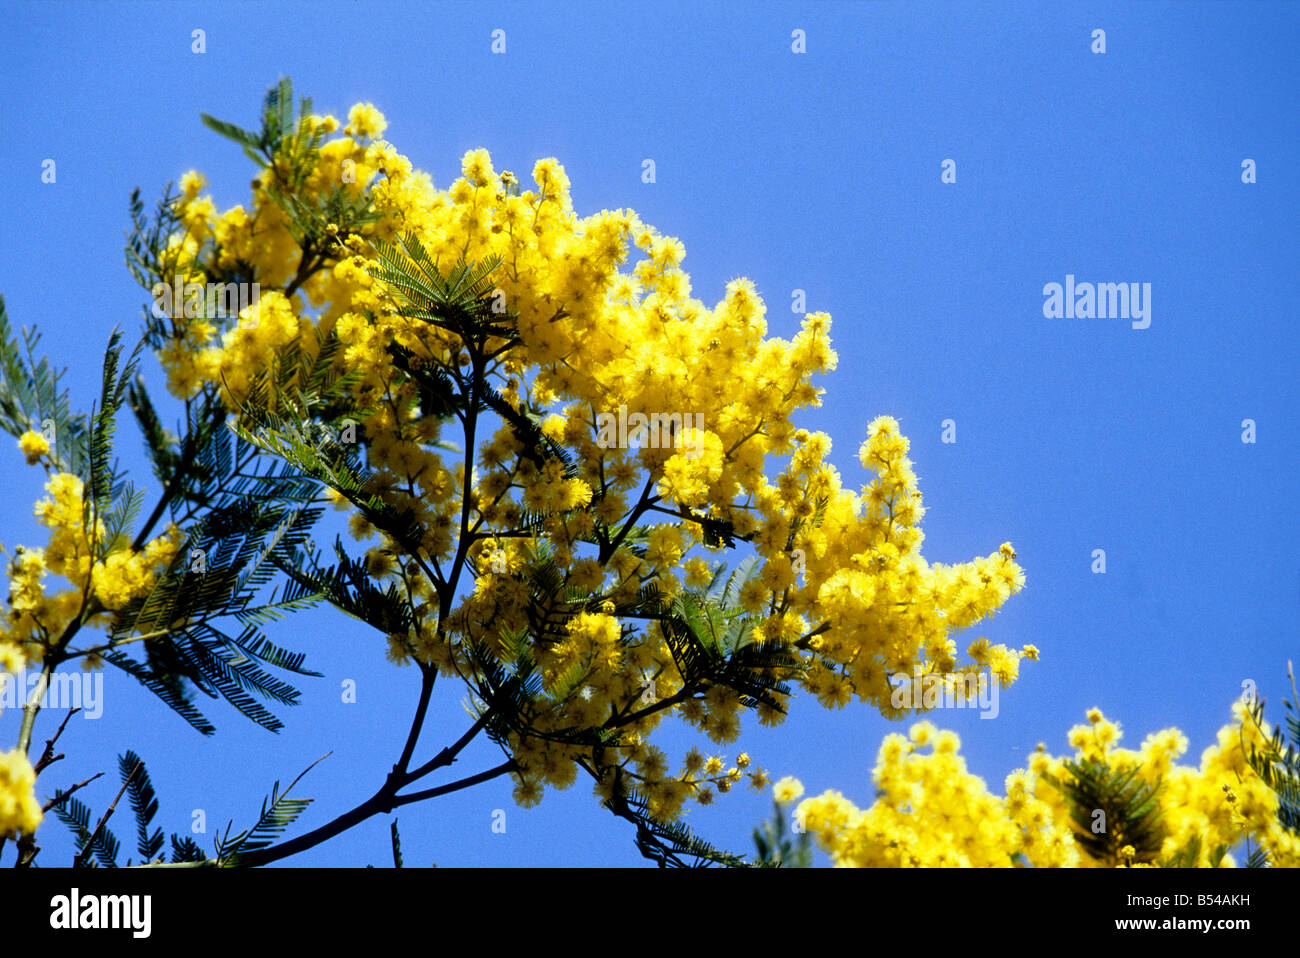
(817, 171)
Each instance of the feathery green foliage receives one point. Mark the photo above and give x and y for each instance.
(1278, 762)
(31, 400)
(279, 811)
(777, 848)
(103, 843)
(667, 844)
(144, 803)
(1131, 816)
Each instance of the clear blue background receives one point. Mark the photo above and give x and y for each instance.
(819, 172)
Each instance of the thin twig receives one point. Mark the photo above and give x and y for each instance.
(64, 796)
(80, 860)
(448, 754)
(491, 773)
(48, 757)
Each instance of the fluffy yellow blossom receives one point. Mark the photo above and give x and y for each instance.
(34, 445)
(118, 576)
(12, 656)
(20, 813)
(124, 576)
(365, 121)
(646, 398)
(192, 183)
(932, 812)
(787, 789)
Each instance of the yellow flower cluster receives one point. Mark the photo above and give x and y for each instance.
(864, 572)
(932, 812)
(607, 326)
(34, 445)
(35, 619)
(20, 813)
(249, 349)
(364, 121)
(1221, 802)
(787, 789)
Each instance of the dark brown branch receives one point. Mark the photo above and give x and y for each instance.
(48, 757)
(502, 769)
(385, 800)
(427, 677)
(448, 754)
(64, 796)
(80, 860)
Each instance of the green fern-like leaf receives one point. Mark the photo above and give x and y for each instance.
(776, 848)
(277, 814)
(144, 803)
(186, 849)
(1277, 763)
(1131, 808)
(667, 844)
(242, 548)
(31, 400)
